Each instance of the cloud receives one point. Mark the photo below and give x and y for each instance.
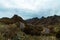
(29, 8)
(27, 4)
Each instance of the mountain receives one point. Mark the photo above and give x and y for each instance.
(15, 28)
(14, 19)
(51, 20)
(32, 21)
(17, 18)
(35, 26)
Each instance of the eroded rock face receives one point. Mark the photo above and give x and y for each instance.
(45, 31)
(22, 25)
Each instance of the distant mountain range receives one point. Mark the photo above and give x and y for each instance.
(50, 20)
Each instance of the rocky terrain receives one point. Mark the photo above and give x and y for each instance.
(16, 28)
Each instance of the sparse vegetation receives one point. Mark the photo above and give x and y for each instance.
(10, 28)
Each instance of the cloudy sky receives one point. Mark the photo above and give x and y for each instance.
(29, 8)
